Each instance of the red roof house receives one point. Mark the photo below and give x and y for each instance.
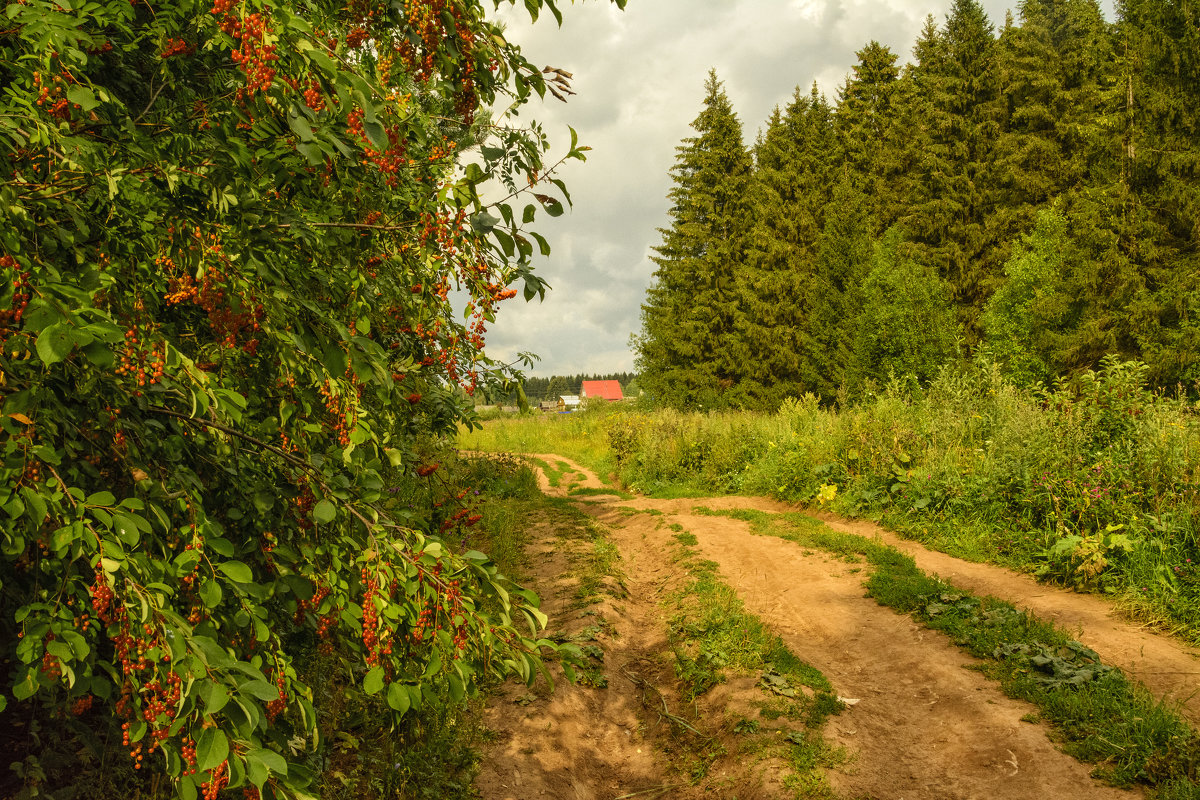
(607, 390)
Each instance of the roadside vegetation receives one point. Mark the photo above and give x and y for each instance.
(1091, 484)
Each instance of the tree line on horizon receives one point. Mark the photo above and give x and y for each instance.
(1027, 194)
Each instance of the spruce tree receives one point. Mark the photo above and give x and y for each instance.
(1054, 69)
(869, 130)
(787, 194)
(1160, 220)
(844, 256)
(684, 349)
(952, 113)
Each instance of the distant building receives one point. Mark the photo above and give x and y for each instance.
(606, 390)
(568, 402)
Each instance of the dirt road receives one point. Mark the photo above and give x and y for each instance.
(923, 726)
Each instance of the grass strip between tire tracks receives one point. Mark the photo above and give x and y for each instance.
(711, 630)
(1099, 715)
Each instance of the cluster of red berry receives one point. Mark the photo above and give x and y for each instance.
(231, 319)
(144, 364)
(218, 779)
(370, 618)
(278, 705)
(253, 55)
(187, 751)
(52, 96)
(325, 622)
(176, 47)
(314, 98)
(10, 318)
(342, 412)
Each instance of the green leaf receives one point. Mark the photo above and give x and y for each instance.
(24, 688)
(214, 695)
(126, 528)
(105, 499)
(260, 689)
(374, 681)
(55, 343)
(376, 133)
(236, 571)
(210, 594)
(483, 222)
(82, 97)
(35, 503)
(324, 512)
(397, 698)
(269, 758)
(299, 124)
(212, 748)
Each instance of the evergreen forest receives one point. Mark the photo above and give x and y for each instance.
(1023, 193)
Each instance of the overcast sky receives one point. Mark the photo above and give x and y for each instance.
(639, 75)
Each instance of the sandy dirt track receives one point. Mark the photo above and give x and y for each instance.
(923, 726)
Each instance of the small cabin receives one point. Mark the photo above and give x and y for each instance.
(568, 403)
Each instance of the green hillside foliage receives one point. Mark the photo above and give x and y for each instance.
(1046, 169)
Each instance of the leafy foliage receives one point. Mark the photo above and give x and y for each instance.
(1023, 318)
(906, 326)
(226, 328)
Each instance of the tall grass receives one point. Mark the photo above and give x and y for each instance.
(580, 437)
(1094, 483)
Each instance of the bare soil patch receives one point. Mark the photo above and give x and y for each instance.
(621, 739)
(924, 726)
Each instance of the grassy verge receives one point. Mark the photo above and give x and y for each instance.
(1102, 717)
(1093, 484)
(711, 632)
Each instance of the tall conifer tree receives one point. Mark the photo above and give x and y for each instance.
(1161, 175)
(684, 354)
(788, 193)
(869, 129)
(1054, 71)
(954, 112)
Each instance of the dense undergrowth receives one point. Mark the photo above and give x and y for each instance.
(432, 753)
(1091, 484)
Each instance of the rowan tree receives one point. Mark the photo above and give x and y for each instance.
(232, 230)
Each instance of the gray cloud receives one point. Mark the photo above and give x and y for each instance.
(640, 78)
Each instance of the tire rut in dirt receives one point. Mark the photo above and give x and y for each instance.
(924, 726)
(1167, 667)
